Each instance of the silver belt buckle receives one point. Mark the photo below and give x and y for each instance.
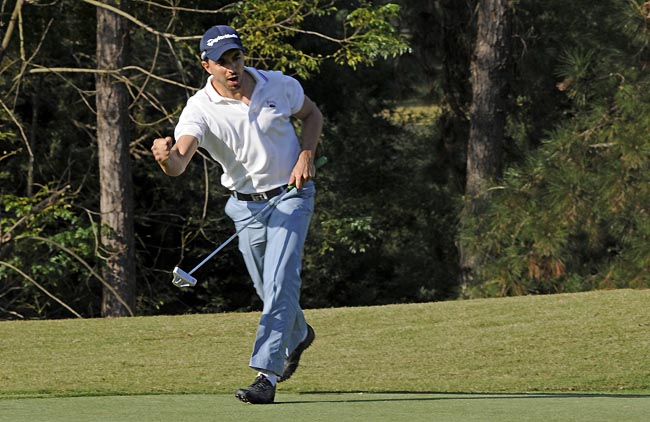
(259, 196)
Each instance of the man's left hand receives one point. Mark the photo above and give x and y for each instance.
(304, 170)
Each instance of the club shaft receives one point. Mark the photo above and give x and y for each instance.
(318, 164)
(253, 218)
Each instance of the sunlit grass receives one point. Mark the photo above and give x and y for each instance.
(591, 342)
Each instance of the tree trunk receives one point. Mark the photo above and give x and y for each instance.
(116, 202)
(490, 72)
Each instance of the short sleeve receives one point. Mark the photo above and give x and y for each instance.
(191, 122)
(295, 94)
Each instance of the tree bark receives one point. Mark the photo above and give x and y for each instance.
(490, 74)
(116, 198)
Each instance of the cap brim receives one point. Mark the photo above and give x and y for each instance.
(216, 53)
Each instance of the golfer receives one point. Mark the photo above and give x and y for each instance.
(243, 119)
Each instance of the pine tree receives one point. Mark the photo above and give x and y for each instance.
(574, 216)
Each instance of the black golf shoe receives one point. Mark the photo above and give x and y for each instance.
(261, 391)
(291, 364)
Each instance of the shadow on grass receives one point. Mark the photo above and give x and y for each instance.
(384, 396)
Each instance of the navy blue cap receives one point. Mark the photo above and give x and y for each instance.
(217, 40)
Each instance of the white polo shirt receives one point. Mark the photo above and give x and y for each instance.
(255, 144)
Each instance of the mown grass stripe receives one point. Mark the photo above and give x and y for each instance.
(589, 342)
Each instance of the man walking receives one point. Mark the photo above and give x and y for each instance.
(242, 118)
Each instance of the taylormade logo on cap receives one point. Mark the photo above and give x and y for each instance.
(211, 41)
(217, 40)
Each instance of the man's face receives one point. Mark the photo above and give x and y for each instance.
(227, 72)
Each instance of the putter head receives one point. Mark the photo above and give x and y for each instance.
(183, 279)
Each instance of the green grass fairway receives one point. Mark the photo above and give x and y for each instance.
(569, 357)
(332, 407)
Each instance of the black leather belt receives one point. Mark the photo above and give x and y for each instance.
(259, 196)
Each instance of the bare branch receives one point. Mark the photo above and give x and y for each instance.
(10, 27)
(43, 69)
(10, 153)
(140, 23)
(88, 267)
(43, 289)
(20, 127)
(185, 9)
(314, 33)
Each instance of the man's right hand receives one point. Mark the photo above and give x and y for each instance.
(174, 157)
(161, 149)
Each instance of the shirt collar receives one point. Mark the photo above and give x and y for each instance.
(260, 78)
(215, 97)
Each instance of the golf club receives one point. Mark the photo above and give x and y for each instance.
(185, 279)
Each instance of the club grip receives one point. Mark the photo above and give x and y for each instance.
(320, 162)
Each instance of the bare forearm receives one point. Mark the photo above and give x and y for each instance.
(311, 130)
(312, 126)
(172, 166)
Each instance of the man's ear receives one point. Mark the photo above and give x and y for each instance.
(205, 65)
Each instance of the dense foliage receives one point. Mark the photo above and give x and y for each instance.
(573, 215)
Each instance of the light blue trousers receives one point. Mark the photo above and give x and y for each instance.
(272, 249)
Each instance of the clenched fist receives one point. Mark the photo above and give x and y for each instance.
(161, 148)
(174, 157)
